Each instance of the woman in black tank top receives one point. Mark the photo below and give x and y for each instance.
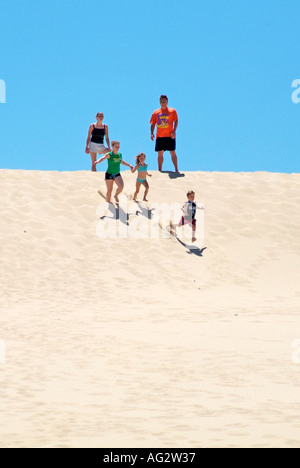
(95, 140)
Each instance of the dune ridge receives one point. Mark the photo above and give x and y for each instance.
(143, 342)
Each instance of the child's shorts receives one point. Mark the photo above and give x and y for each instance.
(184, 221)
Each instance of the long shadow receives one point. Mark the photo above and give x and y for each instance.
(118, 214)
(191, 249)
(173, 175)
(144, 211)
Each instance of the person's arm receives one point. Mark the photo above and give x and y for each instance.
(126, 164)
(88, 139)
(107, 136)
(174, 129)
(184, 209)
(152, 132)
(134, 169)
(149, 175)
(200, 207)
(106, 156)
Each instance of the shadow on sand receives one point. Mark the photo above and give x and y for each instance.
(173, 175)
(118, 214)
(144, 211)
(192, 249)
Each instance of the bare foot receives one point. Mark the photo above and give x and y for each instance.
(117, 199)
(194, 239)
(145, 199)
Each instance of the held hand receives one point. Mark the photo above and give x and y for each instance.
(149, 175)
(152, 137)
(87, 150)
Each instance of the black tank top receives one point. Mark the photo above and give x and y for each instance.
(98, 135)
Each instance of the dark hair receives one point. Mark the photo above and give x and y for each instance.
(191, 192)
(163, 96)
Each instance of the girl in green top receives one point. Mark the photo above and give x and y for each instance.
(114, 159)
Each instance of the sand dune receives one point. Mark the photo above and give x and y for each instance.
(143, 342)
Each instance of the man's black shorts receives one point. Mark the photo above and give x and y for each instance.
(165, 144)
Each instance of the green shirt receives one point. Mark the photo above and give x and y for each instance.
(114, 163)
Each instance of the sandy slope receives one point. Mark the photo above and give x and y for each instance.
(141, 342)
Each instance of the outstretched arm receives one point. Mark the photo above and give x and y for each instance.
(133, 170)
(126, 164)
(106, 156)
(184, 209)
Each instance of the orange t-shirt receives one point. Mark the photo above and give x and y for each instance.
(164, 120)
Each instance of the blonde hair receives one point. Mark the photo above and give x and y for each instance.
(138, 157)
(113, 143)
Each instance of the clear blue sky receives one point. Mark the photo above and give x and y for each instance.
(226, 65)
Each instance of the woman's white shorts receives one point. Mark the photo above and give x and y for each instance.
(96, 148)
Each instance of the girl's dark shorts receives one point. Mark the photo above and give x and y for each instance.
(165, 144)
(111, 176)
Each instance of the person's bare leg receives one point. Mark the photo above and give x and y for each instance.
(109, 185)
(160, 160)
(94, 159)
(174, 160)
(104, 151)
(120, 185)
(146, 185)
(194, 234)
(138, 186)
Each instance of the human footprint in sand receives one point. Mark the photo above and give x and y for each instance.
(189, 217)
(114, 159)
(142, 169)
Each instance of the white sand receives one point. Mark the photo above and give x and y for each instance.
(141, 343)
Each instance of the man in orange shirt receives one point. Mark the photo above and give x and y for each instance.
(166, 121)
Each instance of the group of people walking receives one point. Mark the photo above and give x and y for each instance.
(165, 119)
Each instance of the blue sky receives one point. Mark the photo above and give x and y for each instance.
(226, 65)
